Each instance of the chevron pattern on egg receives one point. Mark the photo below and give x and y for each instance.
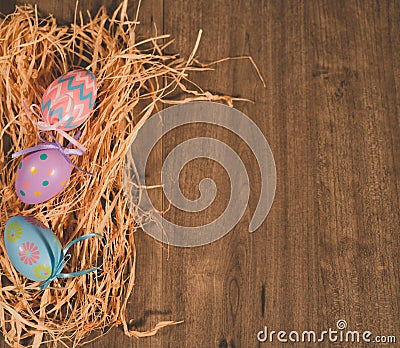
(76, 90)
(85, 89)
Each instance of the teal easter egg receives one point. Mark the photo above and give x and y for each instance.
(33, 249)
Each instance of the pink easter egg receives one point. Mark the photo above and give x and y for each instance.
(42, 175)
(69, 99)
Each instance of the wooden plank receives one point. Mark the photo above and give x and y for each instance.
(217, 292)
(64, 11)
(355, 80)
(7, 6)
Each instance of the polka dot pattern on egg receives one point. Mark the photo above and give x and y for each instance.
(42, 175)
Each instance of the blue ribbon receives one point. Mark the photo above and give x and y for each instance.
(64, 260)
(47, 145)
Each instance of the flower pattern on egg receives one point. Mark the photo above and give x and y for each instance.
(29, 253)
(42, 272)
(14, 232)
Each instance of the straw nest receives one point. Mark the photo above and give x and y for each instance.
(135, 79)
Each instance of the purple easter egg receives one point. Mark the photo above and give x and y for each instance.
(71, 96)
(42, 175)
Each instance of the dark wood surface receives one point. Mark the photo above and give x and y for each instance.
(329, 248)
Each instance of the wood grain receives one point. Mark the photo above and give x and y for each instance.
(64, 11)
(329, 248)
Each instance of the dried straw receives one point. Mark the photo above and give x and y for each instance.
(135, 80)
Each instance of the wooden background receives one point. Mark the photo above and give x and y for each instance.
(329, 248)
